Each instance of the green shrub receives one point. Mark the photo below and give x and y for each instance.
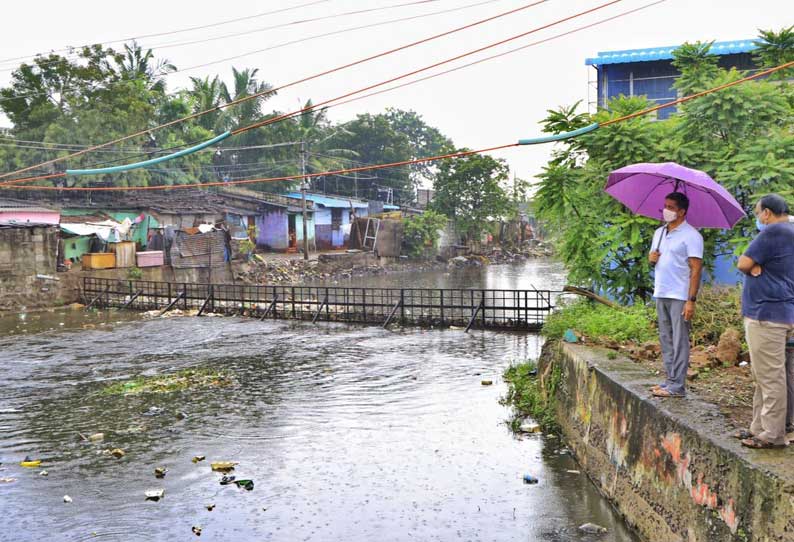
(599, 322)
(134, 273)
(422, 232)
(528, 399)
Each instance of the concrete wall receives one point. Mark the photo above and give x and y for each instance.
(273, 233)
(25, 253)
(669, 466)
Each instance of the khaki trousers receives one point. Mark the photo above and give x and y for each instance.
(767, 344)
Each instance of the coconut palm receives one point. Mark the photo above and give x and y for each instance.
(207, 94)
(137, 64)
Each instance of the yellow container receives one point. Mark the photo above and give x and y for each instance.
(99, 260)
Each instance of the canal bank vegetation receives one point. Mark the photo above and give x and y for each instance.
(185, 379)
(531, 396)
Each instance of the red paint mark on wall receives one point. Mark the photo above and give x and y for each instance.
(728, 515)
(700, 492)
(702, 495)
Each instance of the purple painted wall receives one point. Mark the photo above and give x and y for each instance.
(272, 230)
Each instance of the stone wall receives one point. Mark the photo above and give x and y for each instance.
(669, 466)
(26, 253)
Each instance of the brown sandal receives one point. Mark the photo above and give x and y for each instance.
(758, 444)
(661, 392)
(742, 434)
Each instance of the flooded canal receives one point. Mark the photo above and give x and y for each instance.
(349, 432)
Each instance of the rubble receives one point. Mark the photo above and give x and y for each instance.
(266, 269)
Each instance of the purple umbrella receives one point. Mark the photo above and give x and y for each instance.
(642, 188)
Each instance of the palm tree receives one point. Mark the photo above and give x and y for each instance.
(207, 94)
(137, 64)
(312, 128)
(245, 84)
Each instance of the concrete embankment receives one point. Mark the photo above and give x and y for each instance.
(669, 466)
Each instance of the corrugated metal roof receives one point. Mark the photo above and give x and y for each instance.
(666, 53)
(331, 202)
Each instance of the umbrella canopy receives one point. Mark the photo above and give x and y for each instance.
(642, 188)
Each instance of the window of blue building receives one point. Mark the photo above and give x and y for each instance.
(650, 72)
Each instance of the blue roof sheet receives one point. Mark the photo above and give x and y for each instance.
(327, 201)
(666, 53)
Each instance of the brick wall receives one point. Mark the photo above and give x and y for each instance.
(24, 254)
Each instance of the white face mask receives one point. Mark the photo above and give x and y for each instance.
(669, 216)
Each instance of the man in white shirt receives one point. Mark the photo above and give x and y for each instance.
(677, 254)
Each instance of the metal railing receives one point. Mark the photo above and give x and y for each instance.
(429, 307)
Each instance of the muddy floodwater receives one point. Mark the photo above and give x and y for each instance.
(350, 433)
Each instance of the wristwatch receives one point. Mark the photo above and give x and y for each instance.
(693, 298)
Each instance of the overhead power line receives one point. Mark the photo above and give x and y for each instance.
(293, 83)
(625, 13)
(459, 154)
(172, 32)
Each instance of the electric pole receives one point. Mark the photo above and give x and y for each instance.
(304, 187)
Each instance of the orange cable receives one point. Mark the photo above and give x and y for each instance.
(258, 94)
(263, 180)
(414, 72)
(392, 164)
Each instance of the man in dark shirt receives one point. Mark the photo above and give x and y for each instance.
(768, 311)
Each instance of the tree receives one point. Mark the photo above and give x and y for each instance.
(139, 64)
(423, 139)
(374, 141)
(470, 191)
(774, 49)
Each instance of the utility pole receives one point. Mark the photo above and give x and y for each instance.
(304, 188)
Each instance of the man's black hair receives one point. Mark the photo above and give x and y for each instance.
(775, 203)
(681, 200)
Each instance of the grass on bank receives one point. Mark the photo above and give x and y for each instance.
(532, 397)
(717, 309)
(186, 379)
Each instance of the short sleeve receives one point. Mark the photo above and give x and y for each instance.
(694, 246)
(760, 248)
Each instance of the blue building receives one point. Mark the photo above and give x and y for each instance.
(650, 72)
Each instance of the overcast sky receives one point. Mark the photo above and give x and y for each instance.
(489, 104)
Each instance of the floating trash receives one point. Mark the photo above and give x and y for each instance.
(248, 485)
(44, 473)
(529, 479)
(96, 437)
(196, 530)
(210, 507)
(29, 463)
(7, 480)
(592, 528)
(118, 453)
(573, 471)
(67, 499)
(569, 336)
(198, 458)
(226, 480)
(154, 494)
(223, 466)
(486, 382)
(159, 472)
(529, 427)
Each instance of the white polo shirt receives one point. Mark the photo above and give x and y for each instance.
(672, 271)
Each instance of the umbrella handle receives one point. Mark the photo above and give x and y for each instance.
(659, 243)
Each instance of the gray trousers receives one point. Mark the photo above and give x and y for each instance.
(674, 339)
(790, 385)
